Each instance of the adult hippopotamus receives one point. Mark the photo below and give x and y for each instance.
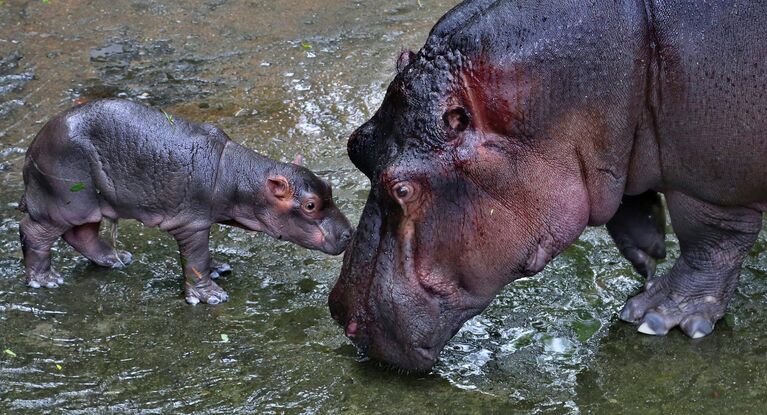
(519, 123)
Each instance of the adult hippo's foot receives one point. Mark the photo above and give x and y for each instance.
(713, 240)
(685, 297)
(639, 230)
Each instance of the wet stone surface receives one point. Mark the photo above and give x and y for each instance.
(291, 77)
(152, 72)
(11, 80)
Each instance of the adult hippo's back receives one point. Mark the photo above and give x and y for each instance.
(519, 123)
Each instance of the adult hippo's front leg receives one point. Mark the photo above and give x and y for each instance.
(639, 230)
(714, 241)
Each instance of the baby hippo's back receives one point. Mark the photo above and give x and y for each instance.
(121, 159)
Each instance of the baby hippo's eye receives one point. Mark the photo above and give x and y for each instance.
(309, 206)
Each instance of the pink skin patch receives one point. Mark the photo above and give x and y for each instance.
(351, 329)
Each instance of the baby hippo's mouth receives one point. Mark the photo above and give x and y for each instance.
(335, 244)
(250, 225)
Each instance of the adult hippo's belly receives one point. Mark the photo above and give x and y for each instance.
(519, 123)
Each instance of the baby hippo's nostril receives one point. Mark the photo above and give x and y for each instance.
(347, 235)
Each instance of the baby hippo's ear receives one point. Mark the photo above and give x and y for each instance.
(279, 187)
(298, 160)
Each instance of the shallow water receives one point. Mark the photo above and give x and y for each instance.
(287, 77)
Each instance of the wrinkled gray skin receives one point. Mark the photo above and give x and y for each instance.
(519, 123)
(117, 159)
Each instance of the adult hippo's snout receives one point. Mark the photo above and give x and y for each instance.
(383, 306)
(368, 304)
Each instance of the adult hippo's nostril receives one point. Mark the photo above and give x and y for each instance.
(337, 310)
(352, 329)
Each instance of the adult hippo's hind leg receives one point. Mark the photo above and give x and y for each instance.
(86, 240)
(714, 241)
(37, 239)
(639, 230)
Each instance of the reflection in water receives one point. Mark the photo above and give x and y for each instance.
(283, 78)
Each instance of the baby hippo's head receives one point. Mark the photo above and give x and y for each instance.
(300, 209)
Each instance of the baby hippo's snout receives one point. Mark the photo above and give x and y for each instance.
(336, 232)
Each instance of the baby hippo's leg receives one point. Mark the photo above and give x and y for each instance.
(217, 268)
(86, 240)
(195, 259)
(36, 242)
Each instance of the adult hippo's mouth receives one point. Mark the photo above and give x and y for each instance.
(397, 318)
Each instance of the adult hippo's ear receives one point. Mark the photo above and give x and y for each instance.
(492, 100)
(456, 119)
(404, 59)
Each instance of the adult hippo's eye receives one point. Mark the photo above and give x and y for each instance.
(404, 192)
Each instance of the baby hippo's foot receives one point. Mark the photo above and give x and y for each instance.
(217, 268)
(692, 301)
(48, 279)
(206, 291)
(116, 259)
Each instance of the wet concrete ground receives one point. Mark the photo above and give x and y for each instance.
(287, 77)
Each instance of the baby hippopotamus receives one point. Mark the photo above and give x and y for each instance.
(117, 159)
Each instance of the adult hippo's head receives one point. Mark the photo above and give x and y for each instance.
(488, 156)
